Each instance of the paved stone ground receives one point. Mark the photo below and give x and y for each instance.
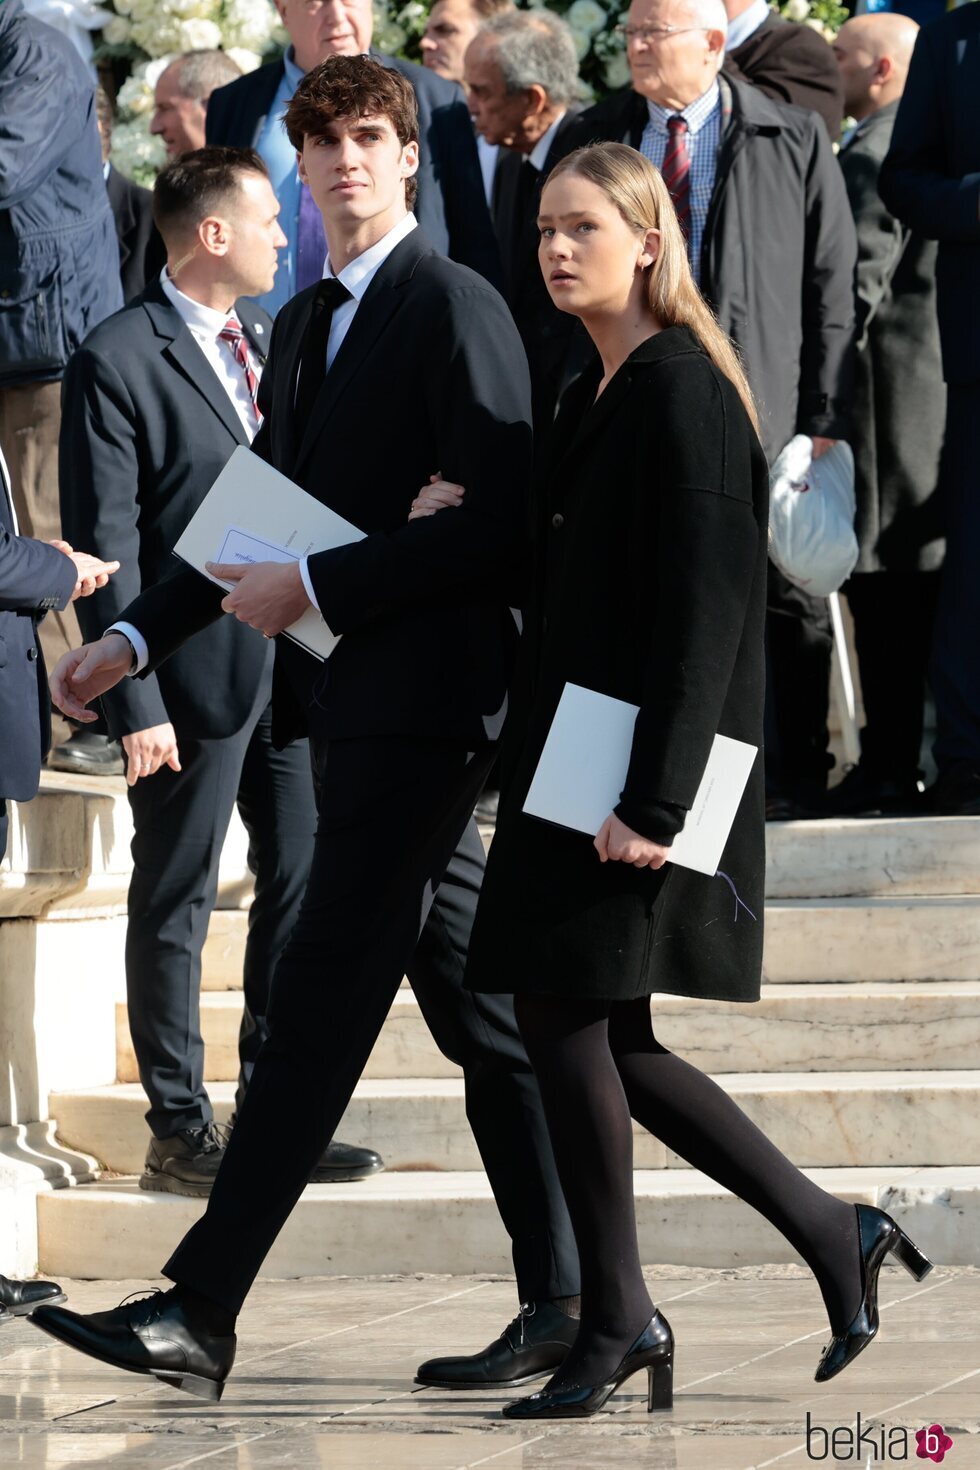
(324, 1378)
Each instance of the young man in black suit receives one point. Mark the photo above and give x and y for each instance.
(154, 402)
(931, 182)
(451, 205)
(399, 364)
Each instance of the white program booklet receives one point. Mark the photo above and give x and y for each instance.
(253, 513)
(582, 771)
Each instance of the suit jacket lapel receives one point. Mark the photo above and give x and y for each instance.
(372, 317)
(186, 357)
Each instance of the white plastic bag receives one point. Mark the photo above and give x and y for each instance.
(811, 516)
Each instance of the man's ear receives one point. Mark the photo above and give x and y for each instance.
(410, 159)
(301, 169)
(214, 235)
(537, 99)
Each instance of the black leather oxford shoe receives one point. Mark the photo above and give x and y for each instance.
(152, 1335)
(341, 1163)
(20, 1297)
(535, 1343)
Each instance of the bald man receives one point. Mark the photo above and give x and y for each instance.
(898, 412)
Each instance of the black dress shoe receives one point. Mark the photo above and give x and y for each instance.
(877, 1235)
(862, 793)
(535, 1343)
(185, 1163)
(652, 1350)
(87, 754)
(20, 1297)
(956, 791)
(153, 1336)
(342, 1162)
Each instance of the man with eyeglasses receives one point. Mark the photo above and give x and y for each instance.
(451, 205)
(772, 245)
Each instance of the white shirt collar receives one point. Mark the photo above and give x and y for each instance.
(746, 24)
(358, 275)
(539, 153)
(204, 320)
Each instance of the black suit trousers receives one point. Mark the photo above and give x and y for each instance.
(181, 821)
(392, 812)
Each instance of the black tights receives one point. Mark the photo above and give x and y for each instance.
(598, 1064)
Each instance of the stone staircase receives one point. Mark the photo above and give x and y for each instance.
(861, 1061)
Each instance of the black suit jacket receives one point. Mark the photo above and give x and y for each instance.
(34, 578)
(146, 429)
(791, 63)
(931, 177)
(431, 376)
(141, 251)
(557, 346)
(777, 257)
(451, 206)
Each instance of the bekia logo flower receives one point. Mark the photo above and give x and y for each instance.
(933, 1443)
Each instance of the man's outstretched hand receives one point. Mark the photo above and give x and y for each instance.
(83, 674)
(91, 571)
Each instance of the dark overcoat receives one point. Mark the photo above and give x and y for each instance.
(899, 394)
(649, 584)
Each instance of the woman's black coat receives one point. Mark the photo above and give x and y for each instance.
(649, 584)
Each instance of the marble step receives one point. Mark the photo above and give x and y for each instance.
(793, 1028)
(925, 937)
(820, 1119)
(448, 1222)
(873, 857)
(929, 937)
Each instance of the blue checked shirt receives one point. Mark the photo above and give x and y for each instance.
(703, 118)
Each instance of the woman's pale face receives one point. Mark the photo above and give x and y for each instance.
(588, 253)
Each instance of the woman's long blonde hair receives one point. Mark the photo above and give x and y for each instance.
(632, 184)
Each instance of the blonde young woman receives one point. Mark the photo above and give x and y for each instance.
(649, 585)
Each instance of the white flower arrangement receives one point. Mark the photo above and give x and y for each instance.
(150, 34)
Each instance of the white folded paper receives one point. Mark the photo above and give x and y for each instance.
(252, 513)
(582, 771)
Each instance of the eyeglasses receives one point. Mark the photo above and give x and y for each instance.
(648, 34)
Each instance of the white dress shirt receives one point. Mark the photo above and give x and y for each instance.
(538, 155)
(489, 156)
(204, 324)
(357, 277)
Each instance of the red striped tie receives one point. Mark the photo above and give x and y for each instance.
(676, 171)
(232, 333)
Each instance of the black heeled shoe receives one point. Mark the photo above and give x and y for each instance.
(652, 1350)
(878, 1235)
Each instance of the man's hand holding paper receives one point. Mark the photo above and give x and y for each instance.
(267, 595)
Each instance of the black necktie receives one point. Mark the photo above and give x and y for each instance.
(329, 294)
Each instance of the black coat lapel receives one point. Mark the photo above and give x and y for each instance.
(183, 353)
(375, 313)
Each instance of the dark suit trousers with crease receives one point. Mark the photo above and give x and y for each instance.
(393, 812)
(181, 821)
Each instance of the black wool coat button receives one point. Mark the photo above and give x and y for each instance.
(32, 654)
(558, 520)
